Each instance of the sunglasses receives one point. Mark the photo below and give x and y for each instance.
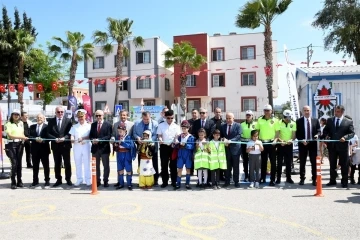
(248, 115)
(202, 112)
(266, 110)
(98, 115)
(169, 118)
(16, 114)
(60, 111)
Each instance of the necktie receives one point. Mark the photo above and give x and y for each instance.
(308, 130)
(202, 123)
(228, 132)
(337, 123)
(38, 130)
(99, 127)
(59, 123)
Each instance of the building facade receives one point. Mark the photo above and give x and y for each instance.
(144, 67)
(233, 77)
(322, 88)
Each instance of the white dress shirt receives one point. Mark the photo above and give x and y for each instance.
(168, 132)
(340, 120)
(38, 128)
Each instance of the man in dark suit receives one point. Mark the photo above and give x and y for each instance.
(101, 130)
(40, 150)
(307, 129)
(341, 129)
(58, 128)
(231, 131)
(202, 122)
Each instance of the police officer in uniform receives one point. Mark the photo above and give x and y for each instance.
(247, 126)
(285, 134)
(15, 137)
(266, 125)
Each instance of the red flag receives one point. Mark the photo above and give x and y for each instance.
(242, 68)
(79, 81)
(196, 73)
(11, 87)
(54, 86)
(344, 61)
(267, 70)
(124, 78)
(133, 77)
(230, 69)
(206, 70)
(278, 65)
(162, 75)
(2, 88)
(303, 63)
(142, 77)
(102, 81)
(39, 87)
(20, 87)
(218, 69)
(315, 63)
(89, 81)
(328, 62)
(30, 87)
(255, 67)
(152, 76)
(292, 63)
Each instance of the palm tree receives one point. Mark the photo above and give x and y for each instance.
(118, 31)
(75, 50)
(21, 45)
(263, 12)
(183, 55)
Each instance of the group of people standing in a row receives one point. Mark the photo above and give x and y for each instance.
(211, 146)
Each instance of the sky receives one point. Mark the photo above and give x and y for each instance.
(166, 19)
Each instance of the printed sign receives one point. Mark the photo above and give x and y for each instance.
(155, 112)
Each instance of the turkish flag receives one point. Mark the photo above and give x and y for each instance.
(20, 87)
(2, 88)
(39, 87)
(80, 81)
(11, 87)
(54, 86)
(102, 81)
(31, 87)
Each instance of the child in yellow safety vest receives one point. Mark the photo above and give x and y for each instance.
(217, 159)
(201, 158)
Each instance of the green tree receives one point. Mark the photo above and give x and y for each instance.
(340, 19)
(74, 50)
(47, 70)
(263, 12)
(183, 55)
(118, 31)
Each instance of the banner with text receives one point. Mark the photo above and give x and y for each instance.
(155, 112)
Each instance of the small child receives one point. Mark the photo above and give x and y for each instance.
(217, 159)
(201, 158)
(185, 142)
(254, 147)
(147, 171)
(124, 147)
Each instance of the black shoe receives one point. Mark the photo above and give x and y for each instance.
(344, 185)
(187, 187)
(98, 184)
(301, 182)
(69, 183)
(198, 184)
(29, 166)
(226, 185)
(116, 185)
(314, 183)
(20, 184)
(289, 180)
(164, 185)
(202, 186)
(119, 187)
(352, 181)
(208, 185)
(177, 187)
(262, 181)
(156, 184)
(47, 184)
(34, 184)
(218, 187)
(13, 186)
(237, 185)
(271, 184)
(246, 179)
(278, 181)
(214, 187)
(106, 184)
(173, 185)
(58, 183)
(331, 183)
(130, 188)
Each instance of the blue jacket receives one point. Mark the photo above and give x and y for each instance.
(186, 152)
(139, 128)
(128, 143)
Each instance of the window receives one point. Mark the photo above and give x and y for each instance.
(124, 62)
(217, 54)
(193, 104)
(149, 102)
(167, 103)
(37, 95)
(100, 105)
(218, 103)
(143, 83)
(143, 57)
(167, 84)
(190, 80)
(100, 87)
(124, 85)
(98, 63)
(248, 103)
(218, 80)
(248, 79)
(247, 52)
(125, 105)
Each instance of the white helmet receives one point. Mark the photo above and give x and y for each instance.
(287, 113)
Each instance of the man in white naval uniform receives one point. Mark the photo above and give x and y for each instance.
(80, 138)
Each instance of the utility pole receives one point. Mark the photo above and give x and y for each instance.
(309, 54)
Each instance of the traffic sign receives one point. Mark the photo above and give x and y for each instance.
(118, 108)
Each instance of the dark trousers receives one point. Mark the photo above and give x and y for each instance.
(343, 162)
(155, 161)
(309, 150)
(232, 162)
(62, 153)
(104, 157)
(284, 153)
(37, 157)
(352, 171)
(166, 162)
(215, 176)
(14, 152)
(268, 153)
(27, 146)
(245, 157)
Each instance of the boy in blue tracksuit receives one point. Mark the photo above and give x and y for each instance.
(124, 147)
(185, 143)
